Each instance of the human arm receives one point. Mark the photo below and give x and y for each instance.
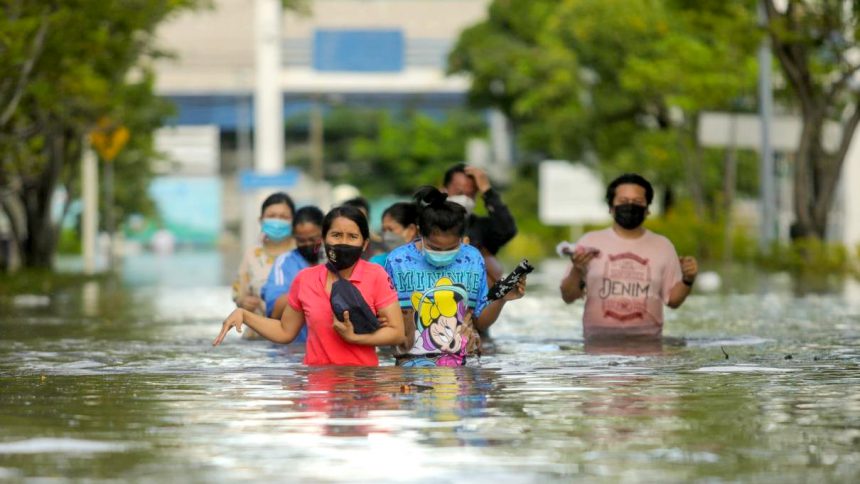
(493, 309)
(500, 227)
(408, 327)
(274, 286)
(389, 334)
(679, 292)
(280, 305)
(282, 331)
(242, 295)
(573, 285)
(494, 268)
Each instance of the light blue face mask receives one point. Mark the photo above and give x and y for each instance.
(440, 258)
(277, 229)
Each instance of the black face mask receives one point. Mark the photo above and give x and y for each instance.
(310, 253)
(629, 215)
(342, 256)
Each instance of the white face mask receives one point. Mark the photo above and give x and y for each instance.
(464, 201)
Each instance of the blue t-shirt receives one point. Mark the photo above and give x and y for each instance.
(379, 258)
(284, 270)
(446, 301)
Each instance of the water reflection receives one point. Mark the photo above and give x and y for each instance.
(344, 398)
(624, 346)
(352, 401)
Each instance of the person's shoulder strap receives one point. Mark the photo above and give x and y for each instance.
(333, 270)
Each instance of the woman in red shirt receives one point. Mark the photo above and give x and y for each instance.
(331, 342)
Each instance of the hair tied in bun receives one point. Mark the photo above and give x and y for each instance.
(428, 196)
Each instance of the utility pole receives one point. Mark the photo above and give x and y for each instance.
(90, 212)
(765, 95)
(317, 150)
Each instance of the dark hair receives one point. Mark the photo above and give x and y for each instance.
(309, 214)
(349, 212)
(358, 202)
(404, 213)
(276, 198)
(449, 174)
(436, 213)
(632, 179)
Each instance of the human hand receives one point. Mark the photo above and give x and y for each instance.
(344, 328)
(582, 256)
(482, 181)
(517, 292)
(689, 269)
(383, 321)
(251, 303)
(235, 320)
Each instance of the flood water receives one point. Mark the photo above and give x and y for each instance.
(117, 380)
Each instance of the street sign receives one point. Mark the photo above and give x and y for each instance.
(250, 180)
(109, 138)
(570, 194)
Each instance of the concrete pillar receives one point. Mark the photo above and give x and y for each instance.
(851, 196)
(90, 215)
(268, 110)
(268, 99)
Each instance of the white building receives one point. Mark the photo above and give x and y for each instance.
(386, 54)
(369, 52)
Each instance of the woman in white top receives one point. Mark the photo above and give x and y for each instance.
(276, 216)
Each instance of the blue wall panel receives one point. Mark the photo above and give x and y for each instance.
(358, 50)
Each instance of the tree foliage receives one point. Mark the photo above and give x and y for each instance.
(63, 66)
(815, 43)
(386, 152)
(618, 84)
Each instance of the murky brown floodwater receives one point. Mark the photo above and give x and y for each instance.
(118, 381)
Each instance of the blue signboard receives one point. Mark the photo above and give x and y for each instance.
(250, 180)
(190, 207)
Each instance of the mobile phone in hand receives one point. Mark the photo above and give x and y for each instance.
(509, 282)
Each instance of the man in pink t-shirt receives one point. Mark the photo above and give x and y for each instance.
(626, 272)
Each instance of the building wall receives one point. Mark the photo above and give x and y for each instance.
(215, 52)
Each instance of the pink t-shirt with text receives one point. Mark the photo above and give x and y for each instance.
(628, 283)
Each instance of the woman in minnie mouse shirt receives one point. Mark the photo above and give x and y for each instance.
(441, 286)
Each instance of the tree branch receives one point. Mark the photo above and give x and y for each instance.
(35, 52)
(783, 50)
(840, 84)
(18, 232)
(837, 160)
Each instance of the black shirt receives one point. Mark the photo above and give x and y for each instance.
(496, 229)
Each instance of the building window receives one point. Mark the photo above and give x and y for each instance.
(358, 50)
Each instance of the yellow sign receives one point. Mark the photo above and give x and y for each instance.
(108, 139)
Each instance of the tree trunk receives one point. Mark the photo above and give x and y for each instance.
(36, 196)
(829, 171)
(804, 160)
(817, 173)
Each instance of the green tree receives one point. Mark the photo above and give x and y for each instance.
(618, 84)
(63, 66)
(390, 152)
(815, 43)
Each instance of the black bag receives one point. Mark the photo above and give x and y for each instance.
(346, 297)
